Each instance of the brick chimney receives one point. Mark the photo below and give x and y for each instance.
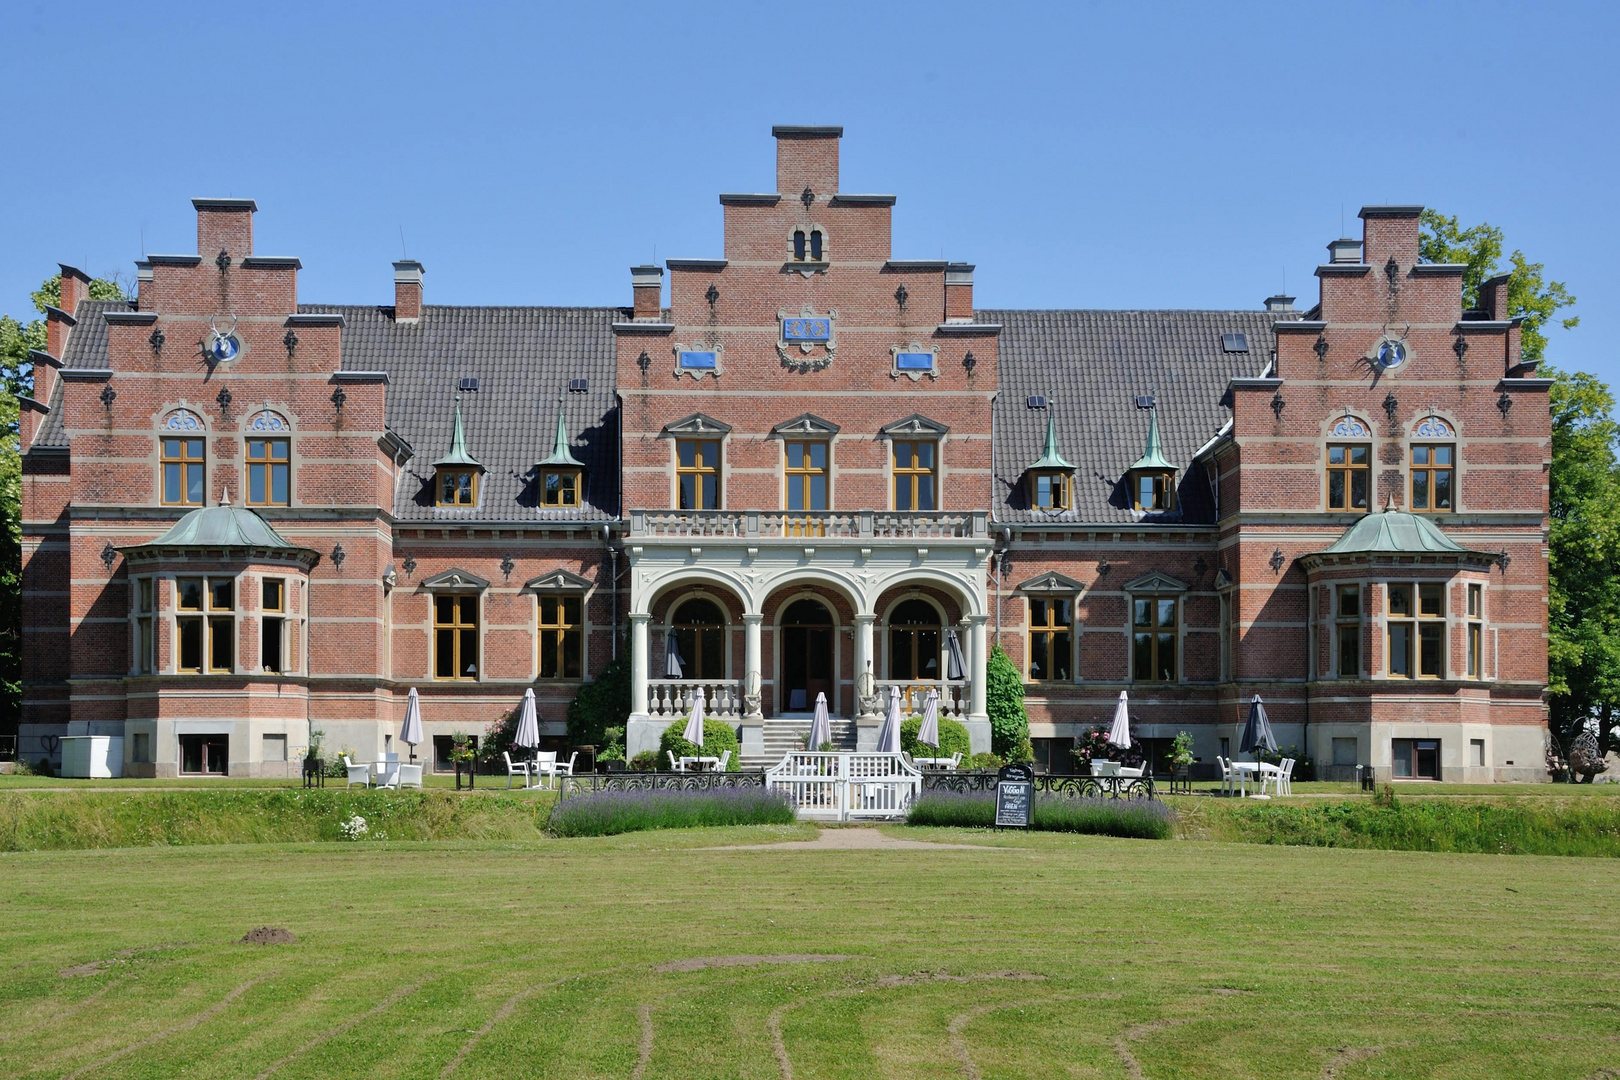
(75, 288)
(1279, 302)
(959, 292)
(407, 290)
(1493, 297)
(1390, 232)
(225, 225)
(647, 285)
(806, 157)
(1344, 251)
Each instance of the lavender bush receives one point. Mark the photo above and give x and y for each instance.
(1141, 818)
(606, 813)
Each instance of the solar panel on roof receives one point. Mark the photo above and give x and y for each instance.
(468, 383)
(1036, 401)
(1235, 342)
(578, 386)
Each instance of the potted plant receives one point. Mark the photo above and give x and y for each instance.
(1181, 758)
(314, 767)
(462, 753)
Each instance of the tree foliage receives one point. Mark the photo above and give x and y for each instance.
(601, 705)
(1583, 599)
(1479, 248)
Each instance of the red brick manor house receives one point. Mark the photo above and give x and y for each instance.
(808, 467)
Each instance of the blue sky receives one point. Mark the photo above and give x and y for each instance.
(1083, 155)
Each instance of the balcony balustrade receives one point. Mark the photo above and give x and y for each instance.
(821, 524)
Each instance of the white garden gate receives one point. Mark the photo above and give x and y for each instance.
(844, 786)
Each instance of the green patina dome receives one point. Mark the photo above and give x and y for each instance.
(1394, 531)
(221, 526)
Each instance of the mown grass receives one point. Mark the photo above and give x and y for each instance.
(1054, 955)
(52, 820)
(1581, 827)
(608, 813)
(1139, 818)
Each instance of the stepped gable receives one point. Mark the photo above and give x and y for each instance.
(86, 348)
(523, 359)
(1094, 363)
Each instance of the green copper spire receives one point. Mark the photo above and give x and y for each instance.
(458, 455)
(1153, 457)
(560, 454)
(1050, 458)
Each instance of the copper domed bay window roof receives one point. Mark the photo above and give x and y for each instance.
(230, 531)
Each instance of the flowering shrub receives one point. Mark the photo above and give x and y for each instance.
(1145, 819)
(606, 813)
(353, 829)
(1094, 746)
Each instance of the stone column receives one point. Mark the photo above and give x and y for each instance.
(640, 732)
(752, 732)
(865, 663)
(978, 719)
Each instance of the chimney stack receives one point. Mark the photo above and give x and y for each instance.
(1391, 232)
(647, 286)
(225, 225)
(1344, 251)
(1279, 302)
(807, 158)
(75, 288)
(407, 290)
(1493, 297)
(958, 292)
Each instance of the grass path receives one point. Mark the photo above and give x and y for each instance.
(677, 955)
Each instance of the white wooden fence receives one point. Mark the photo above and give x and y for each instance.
(845, 786)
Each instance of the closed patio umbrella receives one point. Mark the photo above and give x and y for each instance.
(820, 725)
(674, 666)
(527, 736)
(955, 664)
(1120, 734)
(928, 734)
(888, 741)
(694, 724)
(410, 732)
(1257, 736)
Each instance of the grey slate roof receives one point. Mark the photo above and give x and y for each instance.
(523, 357)
(86, 348)
(1093, 364)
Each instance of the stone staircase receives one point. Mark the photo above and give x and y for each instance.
(783, 736)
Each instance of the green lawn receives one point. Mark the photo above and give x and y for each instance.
(1057, 956)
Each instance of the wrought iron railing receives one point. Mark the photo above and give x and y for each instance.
(1072, 787)
(811, 524)
(659, 781)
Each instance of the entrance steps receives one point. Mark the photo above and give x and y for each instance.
(782, 736)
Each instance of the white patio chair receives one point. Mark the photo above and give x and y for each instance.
(564, 768)
(358, 774)
(1286, 780)
(1133, 774)
(410, 776)
(545, 764)
(956, 760)
(1104, 768)
(388, 773)
(674, 765)
(1226, 774)
(515, 768)
(725, 759)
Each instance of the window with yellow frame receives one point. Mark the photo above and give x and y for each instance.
(457, 487)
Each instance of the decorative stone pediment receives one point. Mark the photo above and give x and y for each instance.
(1051, 582)
(558, 580)
(455, 578)
(697, 424)
(915, 425)
(1223, 580)
(805, 424)
(1156, 582)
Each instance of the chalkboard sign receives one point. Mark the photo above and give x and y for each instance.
(1015, 795)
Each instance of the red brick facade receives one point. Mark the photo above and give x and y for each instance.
(805, 332)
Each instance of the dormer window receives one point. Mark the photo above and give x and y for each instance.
(1152, 478)
(561, 474)
(457, 473)
(1051, 491)
(1051, 477)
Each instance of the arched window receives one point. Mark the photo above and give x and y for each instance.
(798, 245)
(268, 460)
(914, 639)
(808, 245)
(807, 655)
(1349, 466)
(1434, 465)
(699, 629)
(815, 245)
(182, 460)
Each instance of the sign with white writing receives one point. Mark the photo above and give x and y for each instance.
(1015, 797)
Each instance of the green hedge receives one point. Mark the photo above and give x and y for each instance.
(1525, 826)
(54, 820)
(718, 737)
(1141, 818)
(953, 738)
